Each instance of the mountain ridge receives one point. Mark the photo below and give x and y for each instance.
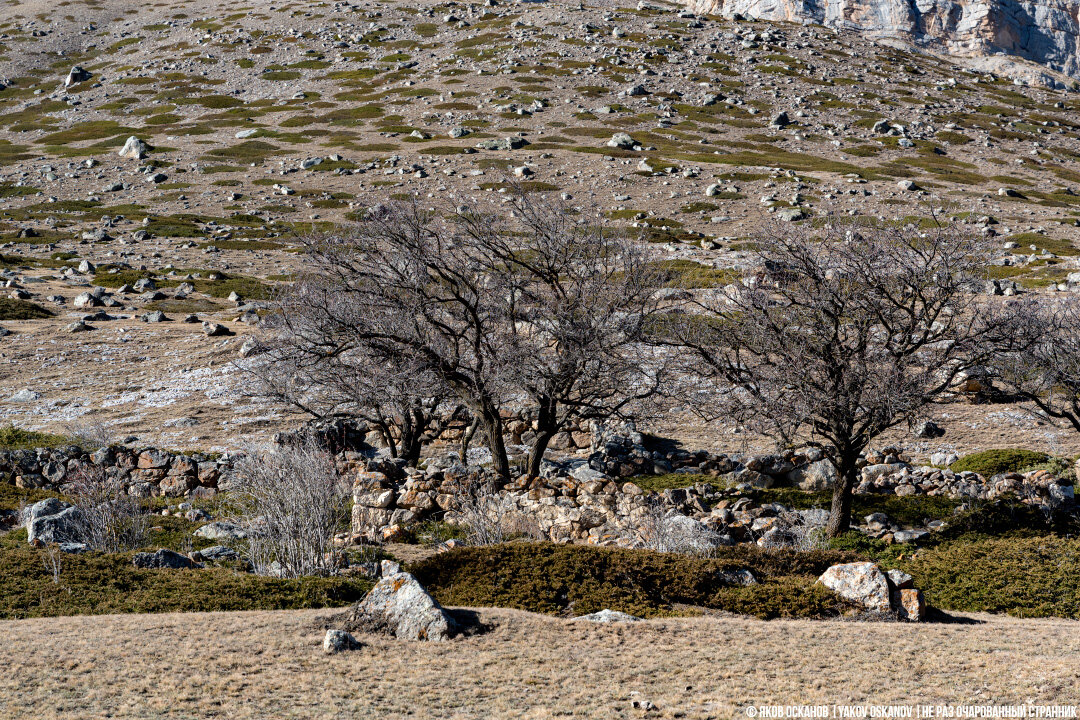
(1046, 32)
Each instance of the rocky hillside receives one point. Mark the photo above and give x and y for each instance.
(256, 126)
(1044, 32)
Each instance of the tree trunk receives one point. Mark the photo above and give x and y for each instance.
(388, 439)
(493, 426)
(467, 436)
(546, 426)
(840, 513)
(412, 430)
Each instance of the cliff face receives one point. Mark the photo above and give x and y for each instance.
(1046, 32)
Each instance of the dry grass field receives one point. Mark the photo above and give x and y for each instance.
(271, 665)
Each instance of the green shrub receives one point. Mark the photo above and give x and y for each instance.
(1025, 577)
(992, 462)
(11, 309)
(99, 583)
(13, 438)
(576, 579)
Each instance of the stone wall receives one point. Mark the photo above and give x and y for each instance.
(147, 473)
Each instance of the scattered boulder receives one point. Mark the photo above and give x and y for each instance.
(75, 76)
(860, 582)
(819, 475)
(909, 604)
(134, 148)
(337, 641)
(399, 605)
(865, 584)
(213, 329)
(928, 429)
(163, 560)
(220, 530)
(53, 521)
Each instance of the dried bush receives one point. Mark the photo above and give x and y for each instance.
(667, 531)
(112, 519)
(91, 435)
(490, 519)
(291, 501)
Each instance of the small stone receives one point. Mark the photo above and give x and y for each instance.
(337, 641)
(621, 140)
(213, 329)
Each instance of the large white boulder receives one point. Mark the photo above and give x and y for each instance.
(399, 605)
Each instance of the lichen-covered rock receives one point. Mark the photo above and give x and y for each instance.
(606, 616)
(861, 582)
(909, 604)
(399, 605)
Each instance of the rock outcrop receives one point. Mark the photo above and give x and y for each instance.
(1045, 31)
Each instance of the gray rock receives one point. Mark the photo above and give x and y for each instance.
(928, 429)
(400, 606)
(740, 576)
(621, 140)
(213, 329)
(134, 148)
(506, 143)
(819, 475)
(606, 616)
(75, 76)
(791, 214)
(53, 521)
(907, 536)
(337, 641)
(217, 553)
(85, 300)
(221, 530)
(163, 560)
(899, 579)
(25, 395)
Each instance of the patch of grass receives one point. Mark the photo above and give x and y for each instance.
(13, 498)
(248, 151)
(11, 309)
(98, 583)
(690, 274)
(992, 462)
(10, 190)
(13, 438)
(576, 580)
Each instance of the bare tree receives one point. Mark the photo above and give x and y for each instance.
(844, 332)
(291, 501)
(397, 397)
(1039, 357)
(111, 519)
(404, 288)
(580, 298)
(413, 311)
